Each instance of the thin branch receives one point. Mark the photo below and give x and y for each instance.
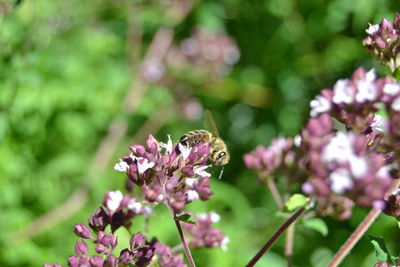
(355, 237)
(184, 243)
(275, 192)
(275, 236)
(289, 244)
(361, 229)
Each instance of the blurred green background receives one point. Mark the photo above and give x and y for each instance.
(66, 68)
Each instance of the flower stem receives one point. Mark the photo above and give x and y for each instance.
(184, 243)
(289, 244)
(355, 237)
(275, 236)
(275, 192)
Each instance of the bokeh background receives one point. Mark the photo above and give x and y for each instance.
(82, 80)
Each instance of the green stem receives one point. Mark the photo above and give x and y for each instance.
(275, 236)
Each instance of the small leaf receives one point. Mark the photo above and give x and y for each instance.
(317, 224)
(396, 74)
(381, 250)
(295, 202)
(185, 218)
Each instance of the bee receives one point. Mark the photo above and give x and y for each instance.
(219, 154)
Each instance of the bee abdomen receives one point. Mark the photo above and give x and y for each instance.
(194, 137)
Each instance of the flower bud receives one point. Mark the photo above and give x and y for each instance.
(137, 240)
(96, 261)
(83, 231)
(81, 248)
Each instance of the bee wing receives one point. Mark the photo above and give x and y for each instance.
(210, 123)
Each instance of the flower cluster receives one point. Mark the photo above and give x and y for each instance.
(120, 210)
(342, 169)
(383, 41)
(209, 51)
(167, 173)
(269, 160)
(203, 234)
(139, 253)
(347, 167)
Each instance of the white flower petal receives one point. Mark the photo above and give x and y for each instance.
(372, 29)
(185, 150)
(134, 206)
(115, 198)
(214, 217)
(384, 173)
(339, 148)
(297, 140)
(342, 92)
(396, 104)
(144, 166)
(378, 124)
(367, 90)
(192, 195)
(201, 171)
(190, 181)
(358, 166)
(391, 89)
(121, 166)
(319, 105)
(224, 243)
(168, 145)
(340, 181)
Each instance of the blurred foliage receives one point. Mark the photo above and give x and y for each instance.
(65, 67)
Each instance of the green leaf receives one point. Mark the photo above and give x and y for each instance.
(381, 250)
(396, 74)
(317, 224)
(296, 201)
(185, 218)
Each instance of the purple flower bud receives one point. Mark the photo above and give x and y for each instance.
(396, 21)
(83, 231)
(99, 220)
(101, 249)
(96, 261)
(73, 261)
(81, 248)
(108, 240)
(187, 171)
(202, 187)
(117, 220)
(137, 240)
(126, 257)
(386, 29)
(111, 261)
(152, 144)
(382, 264)
(153, 194)
(138, 150)
(51, 265)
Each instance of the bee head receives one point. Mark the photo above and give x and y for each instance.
(221, 158)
